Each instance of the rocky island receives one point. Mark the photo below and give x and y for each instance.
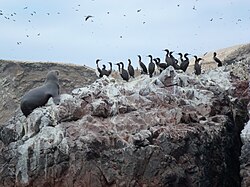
(175, 129)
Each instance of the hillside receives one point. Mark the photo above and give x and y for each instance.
(227, 55)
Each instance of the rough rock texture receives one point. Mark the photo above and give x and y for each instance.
(171, 130)
(245, 137)
(16, 78)
(241, 54)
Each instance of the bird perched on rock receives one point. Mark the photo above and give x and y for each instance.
(99, 69)
(123, 72)
(142, 66)
(181, 57)
(185, 63)
(217, 60)
(151, 66)
(168, 59)
(131, 70)
(104, 71)
(197, 66)
(160, 66)
(174, 62)
(110, 68)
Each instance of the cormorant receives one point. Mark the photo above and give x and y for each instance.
(119, 67)
(168, 60)
(160, 66)
(110, 69)
(124, 73)
(98, 69)
(151, 66)
(181, 57)
(197, 66)
(174, 62)
(217, 60)
(131, 70)
(143, 67)
(104, 71)
(185, 63)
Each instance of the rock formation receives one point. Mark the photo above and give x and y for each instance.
(171, 130)
(16, 78)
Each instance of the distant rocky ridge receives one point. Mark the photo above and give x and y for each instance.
(16, 78)
(227, 55)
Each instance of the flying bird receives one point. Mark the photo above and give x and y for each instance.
(87, 17)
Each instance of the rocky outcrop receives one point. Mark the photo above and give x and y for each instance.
(241, 54)
(172, 130)
(16, 78)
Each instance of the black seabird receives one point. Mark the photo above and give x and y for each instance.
(197, 66)
(124, 73)
(168, 60)
(174, 62)
(98, 69)
(181, 57)
(151, 66)
(110, 69)
(119, 67)
(131, 70)
(160, 66)
(185, 63)
(217, 60)
(142, 66)
(104, 71)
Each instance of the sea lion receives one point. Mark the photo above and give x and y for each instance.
(39, 96)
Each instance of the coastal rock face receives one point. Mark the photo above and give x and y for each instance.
(174, 129)
(16, 78)
(241, 54)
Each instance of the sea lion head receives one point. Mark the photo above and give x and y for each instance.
(52, 76)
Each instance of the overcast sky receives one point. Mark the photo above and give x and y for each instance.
(56, 30)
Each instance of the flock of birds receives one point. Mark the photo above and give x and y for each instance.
(155, 63)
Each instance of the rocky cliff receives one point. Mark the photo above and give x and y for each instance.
(175, 129)
(16, 78)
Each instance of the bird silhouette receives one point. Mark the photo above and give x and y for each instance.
(217, 60)
(142, 66)
(151, 66)
(131, 70)
(87, 17)
(185, 63)
(197, 66)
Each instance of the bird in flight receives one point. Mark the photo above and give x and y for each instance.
(87, 17)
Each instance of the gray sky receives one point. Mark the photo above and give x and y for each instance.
(42, 30)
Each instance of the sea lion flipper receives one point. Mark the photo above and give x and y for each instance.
(56, 99)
